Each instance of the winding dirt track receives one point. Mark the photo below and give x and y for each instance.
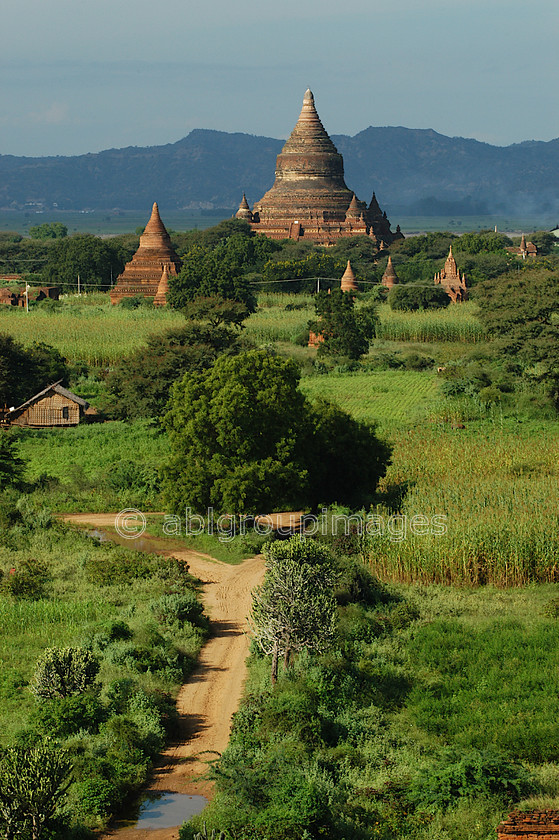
(208, 700)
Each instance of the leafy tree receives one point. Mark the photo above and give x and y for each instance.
(25, 372)
(430, 245)
(93, 259)
(346, 332)
(484, 241)
(412, 297)
(216, 311)
(294, 609)
(206, 272)
(545, 242)
(346, 456)
(236, 435)
(11, 465)
(139, 385)
(49, 230)
(33, 782)
(61, 672)
(245, 439)
(315, 264)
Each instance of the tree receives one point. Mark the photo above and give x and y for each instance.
(246, 440)
(139, 384)
(11, 466)
(294, 609)
(237, 433)
(413, 297)
(216, 311)
(33, 782)
(93, 259)
(62, 672)
(314, 265)
(25, 372)
(49, 230)
(346, 332)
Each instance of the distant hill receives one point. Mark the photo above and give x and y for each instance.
(413, 171)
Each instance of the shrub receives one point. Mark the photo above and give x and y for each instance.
(176, 609)
(26, 580)
(411, 296)
(61, 672)
(64, 716)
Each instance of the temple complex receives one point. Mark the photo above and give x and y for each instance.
(389, 278)
(149, 270)
(451, 280)
(310, 199)
(526, 249)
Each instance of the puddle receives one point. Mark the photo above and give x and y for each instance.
(143, 544)
(166, 810)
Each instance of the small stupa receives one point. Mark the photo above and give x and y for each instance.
(144, 273)
(451, 280)
(390, 278)
(160, 298)
(349, 283)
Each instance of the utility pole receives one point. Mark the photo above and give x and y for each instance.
(79, 284)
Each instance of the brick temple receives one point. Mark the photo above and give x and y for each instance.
(390, 278)
(310, 199)
(149, 270)
(451, 280)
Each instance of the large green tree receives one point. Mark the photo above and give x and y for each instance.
(237, 433)
(245, 439)
(96, 261)
(11, 465)
(26, 371)
(346, 331)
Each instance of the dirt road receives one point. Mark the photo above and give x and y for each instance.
(212, 694)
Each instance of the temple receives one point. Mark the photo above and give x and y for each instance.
(390, 278)
(149, 270)
(349, 283)
(525, 249)
(310, 199)
(451, 280)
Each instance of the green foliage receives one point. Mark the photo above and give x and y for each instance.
(11, 465)
(430, 245)
(236, 434)
(414, 297)
(139, 385)
(62, 672)
(48, 230)
(317, 264)
(26, 579)
(33, 782)
(346, 332)
(471, 774)
(484, 241)
(25, 372)
(95, 260)
(177, 608)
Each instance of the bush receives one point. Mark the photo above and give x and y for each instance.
(413, 297)
(64, 716)
(61, 672)
(176, 609)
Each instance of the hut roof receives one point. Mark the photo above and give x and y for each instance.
(59, 389)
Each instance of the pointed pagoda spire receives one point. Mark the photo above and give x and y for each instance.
(244, 211)
(353, 211)
(155, 225)
(374, 207)
(349, 284)
(390, 278)
(163, 288)
(523, 244)
(308, 130)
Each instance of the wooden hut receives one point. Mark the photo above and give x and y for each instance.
(54, 406)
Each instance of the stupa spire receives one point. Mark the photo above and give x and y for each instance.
(244, 210)
(163, 288)
(389, 278)
(349, 284)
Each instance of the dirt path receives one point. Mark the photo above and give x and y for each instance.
(212, 694)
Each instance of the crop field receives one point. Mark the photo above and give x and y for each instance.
(496, 486)
(395, 396)
(457, 323)
(98, 334)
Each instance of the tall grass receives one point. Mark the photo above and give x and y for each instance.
(456, 323)
(497, 489)
(98, 335)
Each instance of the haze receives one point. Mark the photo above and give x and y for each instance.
(84, 77)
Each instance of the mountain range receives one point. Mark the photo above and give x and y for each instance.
(412, 171)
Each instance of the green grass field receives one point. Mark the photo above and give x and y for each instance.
(385, 396)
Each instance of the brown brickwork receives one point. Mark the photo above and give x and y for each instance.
(530, 825)
(310, 199)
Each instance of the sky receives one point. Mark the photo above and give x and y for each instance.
(83, 77)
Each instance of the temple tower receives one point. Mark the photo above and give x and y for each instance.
(143, 274)
(349, 283)
(390, 278)
(309, 198)
(451, 280)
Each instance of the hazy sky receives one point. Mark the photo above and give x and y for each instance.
(83, 76)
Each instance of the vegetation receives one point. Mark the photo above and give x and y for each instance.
(92, 651)
(345, 333)
(23, 373)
